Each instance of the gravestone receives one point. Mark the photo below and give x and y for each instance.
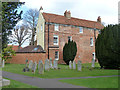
(51, 66)
(93, 62)
(34, 67)
(55, 64)
(30, 64)
(47, 67)
(74, 65)
(79, 65)
(40, 61)
(0, 62)
(70, 65)
(26, 62)
(41, 67)
(3, 63)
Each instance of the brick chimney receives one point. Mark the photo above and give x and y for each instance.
(67, 14)
(99, 19)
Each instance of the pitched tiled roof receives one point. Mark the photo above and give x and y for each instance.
(15, 47)
(53, 18)
(31, 49)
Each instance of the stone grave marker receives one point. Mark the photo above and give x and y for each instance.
(51, 66)
(30, 64)
(74, 65)
(3, 63)
(41, 67)
(93, 62)
(34, 67)
(79, 65)
(70, 65)
(47, 67)
(0, 62)
(55, 64)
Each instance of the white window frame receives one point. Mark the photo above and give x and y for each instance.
(91, 41)
(70, 38)
(57, 55)
(57, 39)
(56, 27)
(80, 28)
(41, 27)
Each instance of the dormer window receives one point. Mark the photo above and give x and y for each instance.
(80, 29)
(56, 27)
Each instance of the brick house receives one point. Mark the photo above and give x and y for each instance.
(53, 31)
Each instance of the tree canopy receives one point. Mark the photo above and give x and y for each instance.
(107, 47)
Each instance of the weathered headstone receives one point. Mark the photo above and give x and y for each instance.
(34, 67)
(30, 64)
(55, 64)
(70, 65)
(47, 67)
(79, 65)
(0, 62)
(41, 67)
(26, 61)
(74, 65)
(51, 66)
(93, 62)
(3, 63)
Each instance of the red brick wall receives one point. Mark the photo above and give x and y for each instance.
(21, 57)
(84, 50)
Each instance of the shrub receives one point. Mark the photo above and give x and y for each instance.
(107, 47)
(69, 51)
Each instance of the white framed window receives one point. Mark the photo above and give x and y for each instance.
(70, 38)
(80, 29)
(41, 27)
(91, 41)
(56, 55)
(55, 40)
(56, 27)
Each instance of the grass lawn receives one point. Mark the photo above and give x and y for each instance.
(17, 84)
(103, 82)
(62, 72)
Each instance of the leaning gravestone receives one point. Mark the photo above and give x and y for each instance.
(55, 64)
(34, 67)
(51, 66)
(3, 63)
(93, 62)
(0, 62)
(41, 67)
(79, 65)
(30, 64)
(74, 65)
(70, 65)
(47, 67)
(39, 63)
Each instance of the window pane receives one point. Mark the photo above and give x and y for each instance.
(81, 29)
(56, 55)
(56, 27)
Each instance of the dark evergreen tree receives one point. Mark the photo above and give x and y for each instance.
(69, 51)
(107, 47)
(10, 17)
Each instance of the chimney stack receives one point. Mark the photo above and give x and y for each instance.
(99, 19)
(67, 14)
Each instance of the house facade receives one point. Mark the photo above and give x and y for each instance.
(53, 31)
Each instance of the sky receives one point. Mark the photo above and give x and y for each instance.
(83, 9)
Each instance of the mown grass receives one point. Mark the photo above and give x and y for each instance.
(17, 84)
(103, 82)
(63, 72)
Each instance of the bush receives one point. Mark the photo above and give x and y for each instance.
(107, 47)
(69, 51)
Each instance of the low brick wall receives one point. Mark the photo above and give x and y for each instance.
(21, 57)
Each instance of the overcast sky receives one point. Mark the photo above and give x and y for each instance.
(83, 9)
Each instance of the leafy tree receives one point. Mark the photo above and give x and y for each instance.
(107, 47)
(69, 51)
(8, 53)
(10, 17)
(31, 18)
